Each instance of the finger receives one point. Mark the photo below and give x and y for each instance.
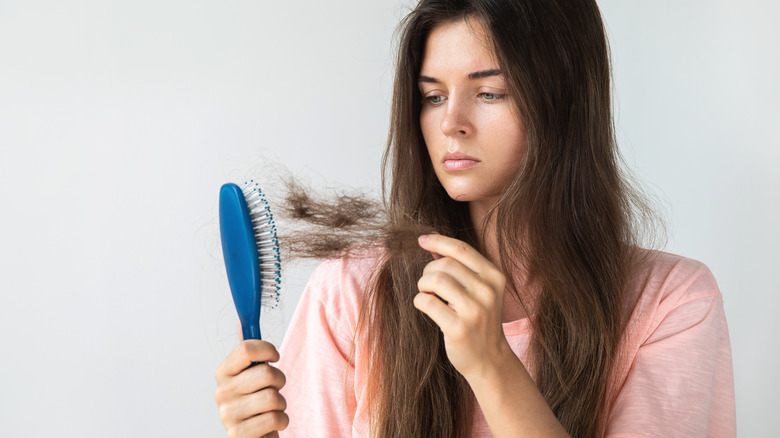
(247, 406)
(453, 268)
(478, 289)
(243, 355)
(465, 254)
(256, 378)
(248, 382)
(262, 424)
(442, 314)
(445, 287)
(457, 249)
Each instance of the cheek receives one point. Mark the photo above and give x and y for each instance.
(514, 134)
(428, 127)
(510, 154)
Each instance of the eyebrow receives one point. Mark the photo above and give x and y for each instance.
(475, 75)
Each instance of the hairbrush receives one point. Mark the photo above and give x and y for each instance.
(250, 248)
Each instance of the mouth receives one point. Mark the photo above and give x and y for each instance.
(454, 161)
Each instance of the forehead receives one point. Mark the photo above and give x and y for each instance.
(461, 45)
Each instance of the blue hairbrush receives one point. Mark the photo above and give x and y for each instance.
(250, 248)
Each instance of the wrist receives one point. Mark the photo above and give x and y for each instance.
(495, 372)
(511, 401)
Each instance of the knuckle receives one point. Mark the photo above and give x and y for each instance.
(260, 372)
(460, 332)
(267, 375)
(244, 349)
(225, 412)
(500, 280)
(485, 293)
(488, 296)
(444, 263)
(461, 248)
(438, 278)
(275, 400)
(219, 395)
(449, 263)
(469, 318)
(267, 397)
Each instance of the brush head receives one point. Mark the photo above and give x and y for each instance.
(250, 248)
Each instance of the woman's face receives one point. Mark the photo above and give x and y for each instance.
(473, 136)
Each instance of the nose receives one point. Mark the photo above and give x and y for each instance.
(456, 120)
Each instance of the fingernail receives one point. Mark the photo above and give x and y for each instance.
(424, 238)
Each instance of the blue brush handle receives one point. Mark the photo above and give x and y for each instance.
(239, 249)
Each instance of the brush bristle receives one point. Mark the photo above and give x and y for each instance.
(267, 243)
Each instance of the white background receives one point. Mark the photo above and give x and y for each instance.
(120, 120)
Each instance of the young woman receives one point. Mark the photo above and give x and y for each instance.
(530, 310)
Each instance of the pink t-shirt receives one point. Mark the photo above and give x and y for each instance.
(674, 363)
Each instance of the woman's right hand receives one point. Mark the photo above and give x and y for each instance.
(250, 404)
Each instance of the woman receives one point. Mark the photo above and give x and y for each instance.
(531, 310)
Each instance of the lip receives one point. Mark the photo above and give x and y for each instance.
(454, 161)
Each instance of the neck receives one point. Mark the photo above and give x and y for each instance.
(488, 241)
(486, 232)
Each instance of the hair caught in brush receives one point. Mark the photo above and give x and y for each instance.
(333, 225)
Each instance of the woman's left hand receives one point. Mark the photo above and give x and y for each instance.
(463, 293)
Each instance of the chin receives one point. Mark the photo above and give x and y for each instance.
(461, 196)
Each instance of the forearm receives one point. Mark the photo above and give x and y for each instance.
(511, 402)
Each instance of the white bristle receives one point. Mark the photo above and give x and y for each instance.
(267, 243)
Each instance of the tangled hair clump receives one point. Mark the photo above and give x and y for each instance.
(339, 224)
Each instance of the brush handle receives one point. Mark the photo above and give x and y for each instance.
(239, 248)
(251, 331)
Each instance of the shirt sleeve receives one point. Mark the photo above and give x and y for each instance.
(680, 383)
(315, 358)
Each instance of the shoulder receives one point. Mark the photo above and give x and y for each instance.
(338, 285)
(669, 288)
(667, 280)
(677, 333)
(351, 272)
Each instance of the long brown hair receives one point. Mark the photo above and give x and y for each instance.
(565, 222)
(568, 224)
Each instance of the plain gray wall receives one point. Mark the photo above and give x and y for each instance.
(120, 120)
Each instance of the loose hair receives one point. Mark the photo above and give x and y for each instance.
(568, 224)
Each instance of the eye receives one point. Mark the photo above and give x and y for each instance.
(491, 97)
(436, 99)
